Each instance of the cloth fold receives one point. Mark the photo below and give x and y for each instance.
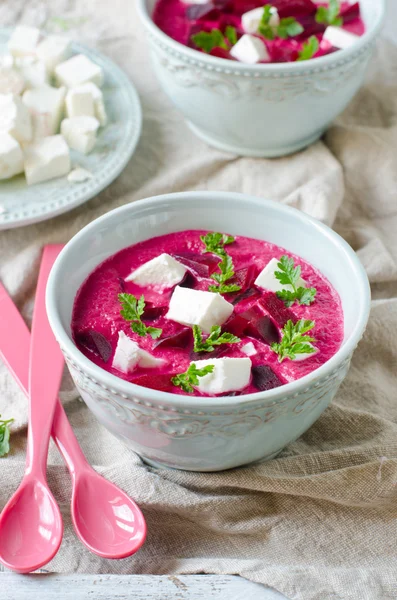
(320, 521)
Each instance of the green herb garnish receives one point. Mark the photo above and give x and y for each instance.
(330, 15)
(294, 340)
(132, 310)
(309, 48)
(208, 40)
(215, 338)
(231, 34)
(265, 28)
(5, 436)
(189, 378)
(215, 242)
(288, 27)
(226, 268)
(290, 275)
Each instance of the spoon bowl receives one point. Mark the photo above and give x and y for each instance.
(31, 527)
(106, 520)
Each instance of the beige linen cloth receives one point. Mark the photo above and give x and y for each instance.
(320, 522)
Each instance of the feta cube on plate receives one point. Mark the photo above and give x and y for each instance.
(250, 50)
(45, 104)
(267, 280)
(23, 41)
(229, 375)
(195, 307)
(129, 355)
(163, 271)
(78, 70)
(251, 19)
(80, 133)
(79, 103)
(11, 82)
(248, 349)
(300, 357)
(340, 38)
(11, 156)
(52, 51)
(97, 97)
(15, 118)
(46, 158)
(33, 72)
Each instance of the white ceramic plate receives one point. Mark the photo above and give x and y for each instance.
(21, 204)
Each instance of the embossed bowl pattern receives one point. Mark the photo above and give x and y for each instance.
(260, 110)
(207, 434)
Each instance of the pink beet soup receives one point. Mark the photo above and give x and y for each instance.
(259, 316)
(183, 21)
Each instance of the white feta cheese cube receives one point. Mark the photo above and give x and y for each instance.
(52, 51)
(340, 38)
(129, 355)
(15, 118)
(79, 175)
(250, 50)
(46, 159)
(33, 72)
(46, 107)
(195, 307)
(11, 157)
(80, 133)
(97, 96)
(79, 103)
(300, 357)
(268, 281)
(251, 19)
(23, 41)
(163, 272)
(78, 70)
(248, 349)
(11, 82)
(229, 375)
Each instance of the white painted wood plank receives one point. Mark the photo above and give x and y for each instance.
(132, 587)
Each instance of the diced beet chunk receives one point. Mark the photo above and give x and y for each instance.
(122, 284)
(254, 313)
(162, 383)
(203, 264)
(189, 281)
(235, 325)
(263, 329)
(219, 351)
(294, 8)
(350, 12)
(220, 53)
(277, 309)
(95, 342)
(264, 378)
(152, 312)
(195, 12)
(200, 269)
(249, 293)
(245, 277)
(182, 339)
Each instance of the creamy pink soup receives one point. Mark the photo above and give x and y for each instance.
(259, 315)
(182, 21)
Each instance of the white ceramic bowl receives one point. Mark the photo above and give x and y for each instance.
(207, 434)
(260, 110)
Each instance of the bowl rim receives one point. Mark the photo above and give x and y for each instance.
(235, 67)
(130, 390)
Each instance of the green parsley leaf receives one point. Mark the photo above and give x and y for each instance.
(226, 268)
(5, 436)
(132, 310)
(189, 378)
(294, 340)
(231, 34)
(290, 275)
(265, 28)
(289, 27)
(208, 40)
(215, 338)
(309, 48)
(330, 15)
(215, 242)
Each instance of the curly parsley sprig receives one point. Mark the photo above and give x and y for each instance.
(5, 436)
(330, 15)
(290, 275)
(215, 338)
(215, 242)
(132, 310)
(294, 340)
(226, 268)
(189, 378)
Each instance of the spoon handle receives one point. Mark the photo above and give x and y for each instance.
(45, 373)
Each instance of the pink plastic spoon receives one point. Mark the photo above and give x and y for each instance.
(31, 526)
(106, 520)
